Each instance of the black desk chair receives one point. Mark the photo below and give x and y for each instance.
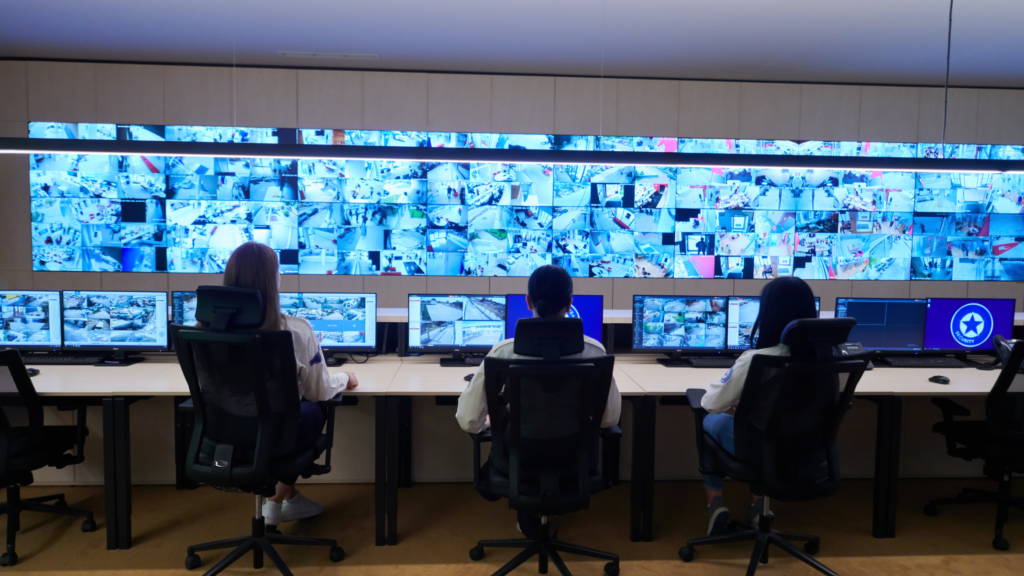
(244, 389)
(552, 409)
(998, 439)
(24, 449)
(785, 430)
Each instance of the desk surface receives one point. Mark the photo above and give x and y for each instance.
(423, 376)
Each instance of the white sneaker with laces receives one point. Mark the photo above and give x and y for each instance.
(271, 513)
(299, 508)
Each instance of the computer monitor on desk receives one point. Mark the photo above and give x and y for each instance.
(587, 307)
(31, 320)
(183, 308)
(342, 322)
(679, 326)
(891, 325)
(743, 311)
(460, 324)
(115, 323)
(964, 326)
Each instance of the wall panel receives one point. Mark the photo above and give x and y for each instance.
(889, 114)
(394, 101)
(709, 109)
(330, 99)
(586, 106)
(13, 92)
(770, 111)
(829, 112)
(1001, 116)
(62, 92)
(130, 94)
(197, 95)
(266, 97)
(459, 103)
(962, 121)
(15, 219)
(647, 108)
(523, 104)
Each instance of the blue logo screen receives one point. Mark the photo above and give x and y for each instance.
(966, 324)
(589, 308)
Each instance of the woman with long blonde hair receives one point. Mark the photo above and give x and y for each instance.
(254, 266)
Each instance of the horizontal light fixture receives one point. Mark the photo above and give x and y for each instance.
(330, 55)
(505, 156)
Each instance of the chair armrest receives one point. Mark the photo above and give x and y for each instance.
(950, 409)
(693, 397)
(333, 402)
(484, 436)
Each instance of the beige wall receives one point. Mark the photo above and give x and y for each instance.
(143, 94)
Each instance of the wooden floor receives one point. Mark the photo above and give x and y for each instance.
(439, 523)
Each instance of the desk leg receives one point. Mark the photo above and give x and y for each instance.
(122, 432)
(110, 473)
(896, 427)
(405, 478)
(380, 475)
(887, 465)
(182, 436)
(648, 518)
(636, 483)
(393, 449)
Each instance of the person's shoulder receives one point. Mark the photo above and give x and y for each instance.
(296, 324)
(592, 345)
(503, 348)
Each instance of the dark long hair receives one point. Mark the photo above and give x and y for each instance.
(782, 301)
(550, 290)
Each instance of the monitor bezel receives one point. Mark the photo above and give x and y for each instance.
(421, 350)
(574, 297)
(362, 348)
(37, 347)
(109, 347)
(817, 302)
(675, 351)
(921, 352)
(989, 351)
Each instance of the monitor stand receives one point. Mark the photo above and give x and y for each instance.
(332, 360)
(121, 358)
(460, 360)
(979, 365)
(674, 360)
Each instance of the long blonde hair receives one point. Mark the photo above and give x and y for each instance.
(253, 265)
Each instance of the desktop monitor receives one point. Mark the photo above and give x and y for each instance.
(457, 323)
(589, 308)
(31, 320)
(967, 324)
(886, 324)
(743, 312)
(183, 308)
(113, 321)
(679, 324)
(342, 322)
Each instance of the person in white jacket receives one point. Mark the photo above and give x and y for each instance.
(782, 301)
(548, 295)
(254, 266)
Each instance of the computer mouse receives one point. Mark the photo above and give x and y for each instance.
(468, 377)
(939, 379)
(32, 372)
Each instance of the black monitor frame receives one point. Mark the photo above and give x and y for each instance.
(115, 355)
(921, 352)
(676, 356)
(60, 329)
(460, 355)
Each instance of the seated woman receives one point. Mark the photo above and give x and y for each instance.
(549, 295)
(254, 266)
(782, 301)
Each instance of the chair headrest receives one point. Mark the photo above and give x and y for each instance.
(223, 308)
(550, 338)
(814, 336)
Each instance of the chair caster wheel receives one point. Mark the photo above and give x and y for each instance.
(931, 510)
(1001, 544)
(812, 547)
(686, 554)
(88, 525)
(611, 569)
(8, 559)
(337, 554)
(476, 553)
(192, 561)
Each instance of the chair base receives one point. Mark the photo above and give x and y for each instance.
(15, 505)
(545, 546)
(260, 542)
(1003, 500)
(763, 535)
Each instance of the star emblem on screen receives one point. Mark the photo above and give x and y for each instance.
(971, 325)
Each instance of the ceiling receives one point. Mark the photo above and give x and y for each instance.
(856, 41)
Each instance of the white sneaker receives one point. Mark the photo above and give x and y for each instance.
(299, 508)
(271, 513)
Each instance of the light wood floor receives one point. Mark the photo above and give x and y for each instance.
(439, 523)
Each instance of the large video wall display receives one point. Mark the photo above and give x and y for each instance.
(186, 214)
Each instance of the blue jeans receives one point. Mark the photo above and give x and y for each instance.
(720, 427)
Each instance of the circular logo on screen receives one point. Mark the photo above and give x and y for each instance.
(573, 312)
(971, 325)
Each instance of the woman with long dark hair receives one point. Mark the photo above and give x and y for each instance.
(254, 266)
(782, 301)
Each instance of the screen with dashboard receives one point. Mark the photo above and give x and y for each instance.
(31, 319)
(94, 212)
(587, 307)
(111, 319)
(464, 321)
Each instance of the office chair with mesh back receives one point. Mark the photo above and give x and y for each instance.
(244, 388)
(785, 430)
(998, 439)
(26, 448)
(551, 408)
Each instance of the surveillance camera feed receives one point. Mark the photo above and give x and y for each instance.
(183, 308)
(743, 312)
(131, 213)
(679, 322)
(455, 321)
(106, 319)
(340, 321)
(31, 319)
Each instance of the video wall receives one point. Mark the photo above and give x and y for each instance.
(93, 212)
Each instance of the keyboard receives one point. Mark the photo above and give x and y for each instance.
(924, 362)
(712, 362)
(59, 359)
